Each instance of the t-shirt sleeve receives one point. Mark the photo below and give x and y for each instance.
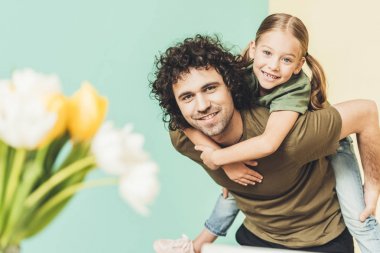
(315, 135)
(294, 95)
(296, 100)
(184, 146)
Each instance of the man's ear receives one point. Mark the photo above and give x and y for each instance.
(299, 66)
(252, 49)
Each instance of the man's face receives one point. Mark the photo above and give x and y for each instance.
(204, 100)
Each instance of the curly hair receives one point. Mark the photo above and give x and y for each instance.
(199, 52)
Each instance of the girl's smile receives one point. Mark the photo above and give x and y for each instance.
(277, 56)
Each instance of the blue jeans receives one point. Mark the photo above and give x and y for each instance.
(223, 215)
(350, 194)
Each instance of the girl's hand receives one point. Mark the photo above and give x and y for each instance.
(206, 156)
(251, 163)
(241, 174)
(225, 192)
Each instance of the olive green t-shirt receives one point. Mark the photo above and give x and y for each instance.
(296, 204)
(293, 95)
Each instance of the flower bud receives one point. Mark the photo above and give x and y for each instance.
(57, 104)
(87, 111)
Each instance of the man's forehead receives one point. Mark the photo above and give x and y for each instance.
(191, 71)
(195, 80)
(197, 76)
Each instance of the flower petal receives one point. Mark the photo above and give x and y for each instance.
(140, 186)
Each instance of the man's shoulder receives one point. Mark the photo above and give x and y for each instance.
(256, 111)
(184, 146)
(255, 114)
(313, 119)
(178, 139)
(314, 135)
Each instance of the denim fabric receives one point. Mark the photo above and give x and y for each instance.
(223, 215)
(350, 194)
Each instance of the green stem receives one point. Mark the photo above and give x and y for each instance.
(47, 209)
(12, 184)
(71, 190)
(61, 175)
(29, 177)
(3, 167)
(14, 176)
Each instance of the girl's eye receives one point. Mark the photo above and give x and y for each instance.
(287, 60)
(266, 52)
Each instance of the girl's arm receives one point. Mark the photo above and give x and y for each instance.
(237, 172)
(198, 138)
(278, 126)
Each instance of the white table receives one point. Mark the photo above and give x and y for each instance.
(220, 248)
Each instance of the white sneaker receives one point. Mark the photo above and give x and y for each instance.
(182, 245)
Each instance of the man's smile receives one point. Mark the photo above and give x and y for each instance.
(208, 116)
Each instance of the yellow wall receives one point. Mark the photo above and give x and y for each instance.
(345, 38)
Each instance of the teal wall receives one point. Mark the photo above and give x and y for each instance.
(113, 43)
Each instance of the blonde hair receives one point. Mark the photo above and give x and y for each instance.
(292, 24)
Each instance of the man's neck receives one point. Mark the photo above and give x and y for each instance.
(233, 131)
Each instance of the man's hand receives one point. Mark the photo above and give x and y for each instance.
(241, 174)
(371, 195)
(206, 156)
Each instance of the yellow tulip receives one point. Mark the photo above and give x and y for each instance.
(56, 103)
(87, 111)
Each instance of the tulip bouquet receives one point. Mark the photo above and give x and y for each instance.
(49, 143)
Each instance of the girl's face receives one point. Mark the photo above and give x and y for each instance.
(277, 56)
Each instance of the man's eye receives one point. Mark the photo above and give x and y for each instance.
(210, 88)
(187, 98)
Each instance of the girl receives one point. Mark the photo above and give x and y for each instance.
(277, 56)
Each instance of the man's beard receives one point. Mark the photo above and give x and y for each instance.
(216, 128)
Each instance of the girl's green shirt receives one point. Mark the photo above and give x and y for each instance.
(293, 95)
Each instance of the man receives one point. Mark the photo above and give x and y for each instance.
(199, 84)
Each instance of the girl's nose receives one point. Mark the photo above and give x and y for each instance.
(274, 64)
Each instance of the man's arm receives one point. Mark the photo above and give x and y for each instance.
(316, 135)
(361, 117)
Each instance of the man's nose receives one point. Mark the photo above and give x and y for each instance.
(202, 103)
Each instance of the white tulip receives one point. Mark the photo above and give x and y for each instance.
(28, 81)
(140, 186)
(117, 151)
(24, 119)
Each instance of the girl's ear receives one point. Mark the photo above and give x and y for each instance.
(252, 49)
(299, 66)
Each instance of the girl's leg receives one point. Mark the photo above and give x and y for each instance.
(220, 220)
(204, 237)
(223, 215)
(350, 194)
